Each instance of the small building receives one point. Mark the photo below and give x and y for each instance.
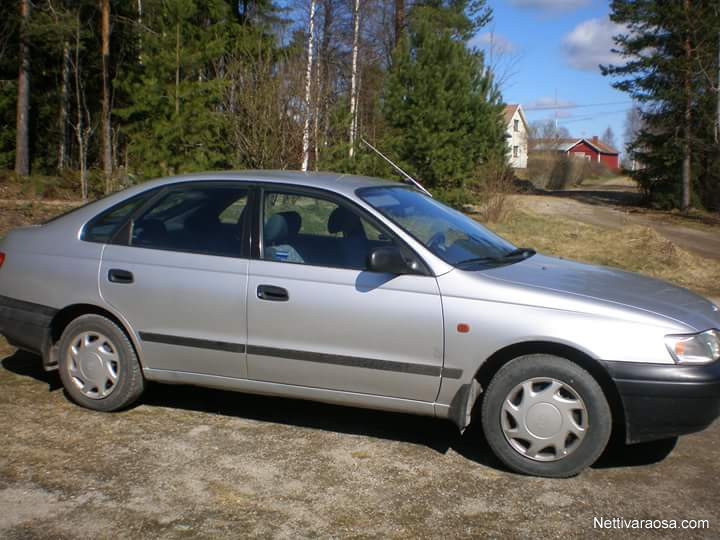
(588, 149)
(516, 135)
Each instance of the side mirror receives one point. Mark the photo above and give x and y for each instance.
(388, 260)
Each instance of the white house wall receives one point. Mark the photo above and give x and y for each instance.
(517, 139)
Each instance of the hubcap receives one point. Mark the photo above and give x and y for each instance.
(544, 419)
(93, 364)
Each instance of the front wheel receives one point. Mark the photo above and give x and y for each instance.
(98, 365)
(545, 416)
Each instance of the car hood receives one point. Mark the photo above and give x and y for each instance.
(610, 285)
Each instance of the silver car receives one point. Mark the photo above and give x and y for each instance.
(361, 292)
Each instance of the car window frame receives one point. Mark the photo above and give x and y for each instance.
(122, 236)
(333, 197)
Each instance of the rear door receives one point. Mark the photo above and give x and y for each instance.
(317, 318)
(180, 279)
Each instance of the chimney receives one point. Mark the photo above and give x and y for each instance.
(595, 139)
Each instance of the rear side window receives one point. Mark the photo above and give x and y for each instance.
(103, 227)
(198, 219)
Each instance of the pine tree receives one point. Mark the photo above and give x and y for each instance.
(670, 51)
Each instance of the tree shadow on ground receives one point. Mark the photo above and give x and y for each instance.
(600, 197)
(439, 435)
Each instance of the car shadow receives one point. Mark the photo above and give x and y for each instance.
(438, 435)
(30, 365)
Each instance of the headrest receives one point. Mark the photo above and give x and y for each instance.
(275, 229)
(343, 220)
(293, 220)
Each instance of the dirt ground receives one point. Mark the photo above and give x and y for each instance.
(197, 463)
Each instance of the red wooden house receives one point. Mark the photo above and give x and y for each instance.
(590, 149)
(595, 150)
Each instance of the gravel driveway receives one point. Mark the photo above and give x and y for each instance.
(192, 462)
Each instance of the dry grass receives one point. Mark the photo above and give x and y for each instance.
(633, 247)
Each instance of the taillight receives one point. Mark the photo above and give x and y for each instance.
(2, 258)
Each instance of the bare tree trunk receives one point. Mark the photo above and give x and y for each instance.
(399, 19)
(324, 57)
(64, 105)
(22, 146)
(106, 130)
(80, 132)
(140, 30)
(308, 89)
(316, 114)
(177, 68)
(353, 77)
(686, 170)
(717, 125)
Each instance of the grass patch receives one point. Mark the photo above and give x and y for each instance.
(634, 248)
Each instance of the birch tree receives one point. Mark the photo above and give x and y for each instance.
(308, 88)
(354, 77)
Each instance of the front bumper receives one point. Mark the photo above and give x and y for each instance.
(25, 325)
(666, 400)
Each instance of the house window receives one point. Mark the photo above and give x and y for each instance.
(516, 125)
(516, 151)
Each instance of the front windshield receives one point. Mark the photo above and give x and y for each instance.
(449, 234)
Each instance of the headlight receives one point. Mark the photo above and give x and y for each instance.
(694, 348)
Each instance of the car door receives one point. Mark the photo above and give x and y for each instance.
(317, 318)
(180, 279)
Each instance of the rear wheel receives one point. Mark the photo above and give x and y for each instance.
(546, 416)
(98, 365)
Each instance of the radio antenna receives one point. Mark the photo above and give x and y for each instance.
(397, 168)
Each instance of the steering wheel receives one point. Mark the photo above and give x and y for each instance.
(436, 241)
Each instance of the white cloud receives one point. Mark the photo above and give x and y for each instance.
(550, 102)
(560, 108)
(551, 5)
(491, 41)
(590, 43)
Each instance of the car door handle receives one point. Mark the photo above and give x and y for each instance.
(115, 275)
(272, 293)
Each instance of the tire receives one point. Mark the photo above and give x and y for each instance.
(98, 365)
(545, 416)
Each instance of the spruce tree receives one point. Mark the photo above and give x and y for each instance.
(442, 108)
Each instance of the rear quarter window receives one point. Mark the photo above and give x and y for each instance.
(103, 227)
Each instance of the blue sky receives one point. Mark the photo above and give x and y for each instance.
(548, 50)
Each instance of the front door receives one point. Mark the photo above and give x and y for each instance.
(317, 318)
(181, 280)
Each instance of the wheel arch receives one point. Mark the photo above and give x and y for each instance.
(66, 315)
(493, 363)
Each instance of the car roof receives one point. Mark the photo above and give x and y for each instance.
(340, 183)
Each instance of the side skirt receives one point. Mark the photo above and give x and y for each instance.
(337, 397)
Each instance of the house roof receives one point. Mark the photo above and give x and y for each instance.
(604, 148)
(564, 145)
(510, 111)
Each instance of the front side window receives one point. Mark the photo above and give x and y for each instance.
(194, 219)
(448, 234)
(315, 231)
(516, 125)
(516, 151)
